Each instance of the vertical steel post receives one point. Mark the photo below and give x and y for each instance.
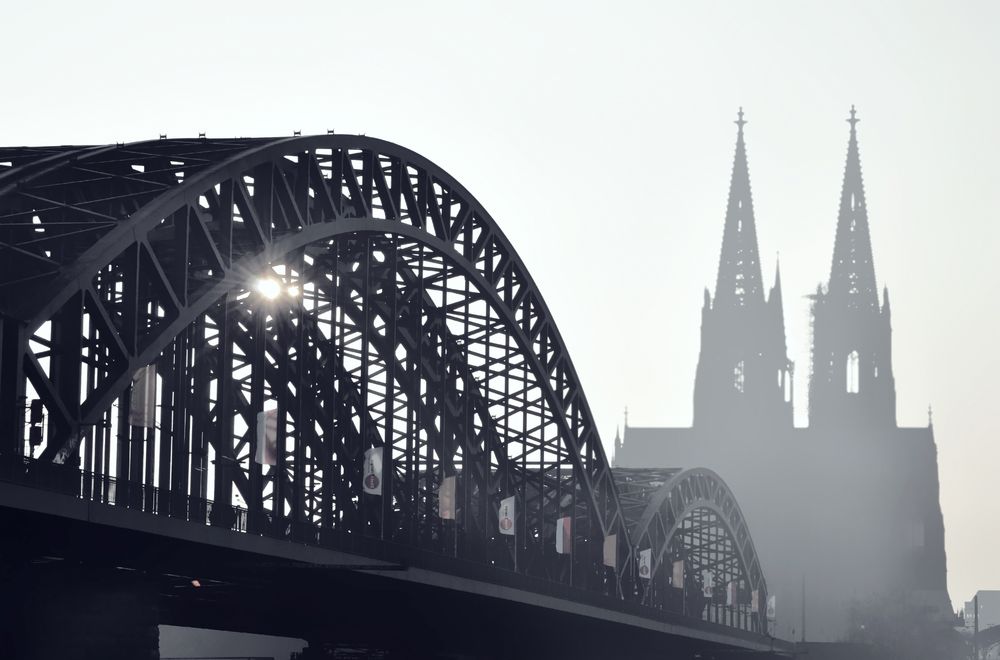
(13, 344)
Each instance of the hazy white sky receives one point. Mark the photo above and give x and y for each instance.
(600, 137)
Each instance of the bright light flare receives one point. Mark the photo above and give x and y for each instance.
(269, 288)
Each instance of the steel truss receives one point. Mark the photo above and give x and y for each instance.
(403, 320)
(693, 517)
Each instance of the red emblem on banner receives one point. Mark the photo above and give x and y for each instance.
(371, 482)
(506, 523)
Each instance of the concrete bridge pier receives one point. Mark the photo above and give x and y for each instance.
(55, 611)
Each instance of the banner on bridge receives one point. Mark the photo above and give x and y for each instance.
(267, 437)
(564, 535)
(611, 550)
(707, 583)
(142, 403)
(755, 601)
(446, 498)
(506, 515)
(646, 563)
(770, 608)
(373, 471)
(677, 579)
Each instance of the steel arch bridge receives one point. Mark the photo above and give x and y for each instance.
(400, 317)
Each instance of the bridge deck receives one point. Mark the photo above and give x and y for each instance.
(63, 523)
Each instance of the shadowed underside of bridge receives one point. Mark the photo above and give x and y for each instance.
(394, 314)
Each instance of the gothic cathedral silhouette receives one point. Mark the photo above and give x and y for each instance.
(742, 334)
(849, 503)
(851, 380)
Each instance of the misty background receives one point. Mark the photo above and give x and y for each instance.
(600, 137)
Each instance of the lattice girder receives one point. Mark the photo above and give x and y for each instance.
(692, 516)
(166, 228)
(414, 327)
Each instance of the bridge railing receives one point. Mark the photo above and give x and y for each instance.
(69, 480)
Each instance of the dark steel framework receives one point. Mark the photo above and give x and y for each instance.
(693, 517)
(403, 319)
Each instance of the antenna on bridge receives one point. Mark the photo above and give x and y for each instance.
(163, 136)
(296, 133)
(330, 131)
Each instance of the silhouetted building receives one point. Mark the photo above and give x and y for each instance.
(989, 609)
(851, 382)
(847, 508)
(742, 334)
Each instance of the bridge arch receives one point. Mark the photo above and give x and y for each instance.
(114, 258)
(692, 517)
(164, 229)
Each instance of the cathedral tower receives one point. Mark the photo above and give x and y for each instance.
(852, 382)
(744, 376)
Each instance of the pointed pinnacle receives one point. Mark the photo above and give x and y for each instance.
(740, 122)
(853, 120)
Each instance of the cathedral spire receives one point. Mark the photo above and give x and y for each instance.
(852, 274)
(742, 333)
(739, 278)
(775, 299)
(852, 380)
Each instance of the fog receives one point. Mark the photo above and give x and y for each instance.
(600, 138)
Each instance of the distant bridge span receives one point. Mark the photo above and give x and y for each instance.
(363, 295)
(988, 638)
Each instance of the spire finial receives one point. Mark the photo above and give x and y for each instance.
(626, 416)
(854, 119)
(930, 417)
(740, 121)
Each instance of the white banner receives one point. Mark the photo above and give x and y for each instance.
(755, 601)
(611, 550)
(267, 437)
(732, 597)
(646, 563)
(564, 535)
(770, 608)
(507, 515)
(142, 403)
(678, 576)
(707, 583)
(373, 471)
(446, 498)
